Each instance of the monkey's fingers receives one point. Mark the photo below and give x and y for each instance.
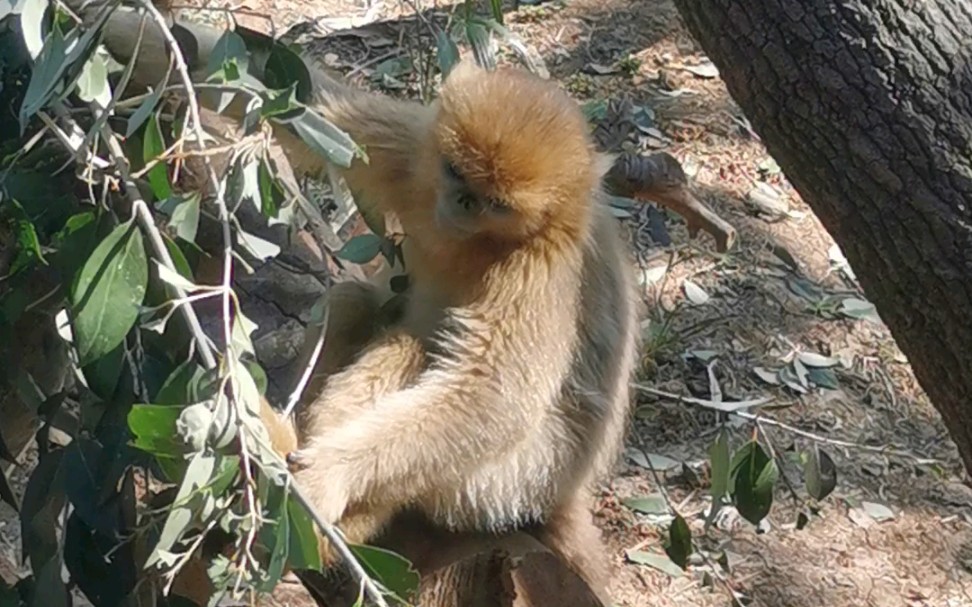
(660, 178)
(299, 460)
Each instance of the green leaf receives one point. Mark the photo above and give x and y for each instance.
(46, 75)
(820, 474)
(660, 562)
(75, 242)
(446, 52)
(103, 373)
(755, 477)
(243, 183)
(153, 146)
(303, 552)
(497, 9)
(280, 103)
(28, 243)
(823, 378)
(199, 473)
(229, 58)
(258, 374)
(183, 212)
(177, 387)
(93, 82)
(32, 14)
(84, 474)
(719, 465)
(284, 67)
(859, 309)
(322, 136)
(647, 504)
(678, 546)
(360, 249)
(154, 427)
(40, 511)
(391, 570)
(50, 591)
(179, 259)
(184, 217)
(275, 535)
(812, 359)
(108, 293)
(256, 246)
(144, 110)
(478, 36)
(271, 193)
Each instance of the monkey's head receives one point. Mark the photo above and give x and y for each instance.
(515, 157)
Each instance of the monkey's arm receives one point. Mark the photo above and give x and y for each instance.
(461, 410)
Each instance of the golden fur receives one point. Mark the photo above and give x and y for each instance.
(504, 392)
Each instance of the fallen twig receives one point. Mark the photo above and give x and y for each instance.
(733, 408)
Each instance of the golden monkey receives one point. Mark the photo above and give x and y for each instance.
(503, 392)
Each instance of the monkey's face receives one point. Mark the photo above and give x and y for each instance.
(515, 156)
(466, 208)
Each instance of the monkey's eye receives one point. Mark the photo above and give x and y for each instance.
(466, 200)
(452, 171)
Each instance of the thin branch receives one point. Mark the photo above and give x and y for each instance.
(309, 367)
(732, 408)
(195, 125)
(372, 590)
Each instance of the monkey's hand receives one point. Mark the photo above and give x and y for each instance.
(324, 479)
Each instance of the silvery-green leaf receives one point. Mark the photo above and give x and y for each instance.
(93, 82)
(767, 375)
(705, 70)
(652, 275)
(811, 359)
(258, 247)
(695, 293)
(661, 562)
(660, 463)
(859, 309)
(174, 278)
(31, 22)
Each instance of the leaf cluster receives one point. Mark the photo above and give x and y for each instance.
(152, 450)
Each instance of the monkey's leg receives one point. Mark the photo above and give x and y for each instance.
(570, 533)
(353, 320)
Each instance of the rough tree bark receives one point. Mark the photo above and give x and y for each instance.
(867, 107)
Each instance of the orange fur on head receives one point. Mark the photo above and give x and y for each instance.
(511, 132)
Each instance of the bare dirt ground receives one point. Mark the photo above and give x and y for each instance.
(771, 297)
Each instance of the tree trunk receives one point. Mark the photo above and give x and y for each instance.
(867, 107)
